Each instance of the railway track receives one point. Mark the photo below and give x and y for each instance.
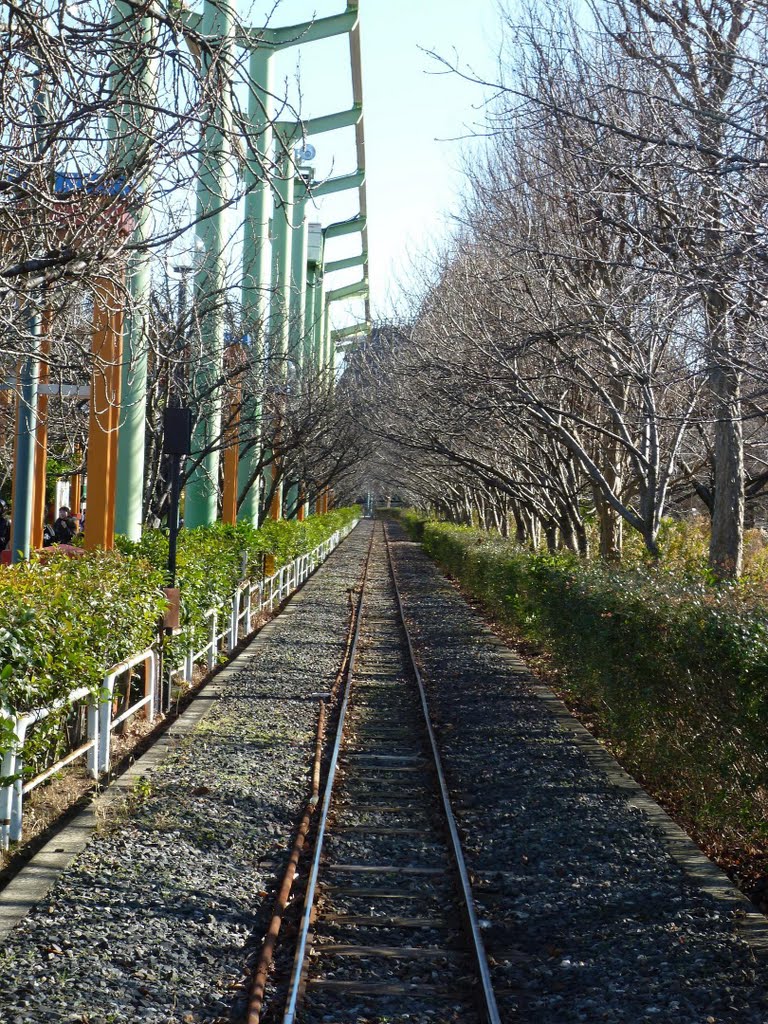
(389, 930)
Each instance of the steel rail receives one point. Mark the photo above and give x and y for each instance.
(259, 984)
(489, 1007)
(294, 989)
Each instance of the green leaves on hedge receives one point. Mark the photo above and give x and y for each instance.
(676, 670)
(68, 620)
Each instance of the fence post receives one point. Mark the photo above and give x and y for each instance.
(17, 797)
(105, 723)
(6, 793)
(212, 649)
(150, 684)
(189, 664)
(93, 736)
(234, 619)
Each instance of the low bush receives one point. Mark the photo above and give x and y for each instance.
(212, 560)
(67, 621)
(674, 669)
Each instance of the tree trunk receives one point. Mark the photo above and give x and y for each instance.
(551, 534)
(727, 538)
(521, 534)
(611, 531)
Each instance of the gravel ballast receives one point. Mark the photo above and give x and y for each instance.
(160, 917)
(587, 915)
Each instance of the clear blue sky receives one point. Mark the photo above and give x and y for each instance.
(415, 117)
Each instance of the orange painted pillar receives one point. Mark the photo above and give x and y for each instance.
(76, 491)
(276, 505)
(231, 462)
(104, 416)
(301, 510)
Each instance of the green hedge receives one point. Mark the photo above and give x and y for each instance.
(211, 561)
(676, 671)
(66, 621)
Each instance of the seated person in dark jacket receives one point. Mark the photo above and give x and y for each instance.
(5, 526)
(64, 528)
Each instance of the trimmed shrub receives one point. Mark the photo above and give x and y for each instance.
(67, 621)
(675, 669)
(212, 560)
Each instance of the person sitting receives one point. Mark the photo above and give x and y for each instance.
(63, 528)
(5, 526)
(49, 535)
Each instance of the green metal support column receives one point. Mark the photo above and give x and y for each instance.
(26, 427)
(28, 380)
(212, 193)
(298, 300)
(320, 318)
(279, 316)
(256, 268)
(313, 304)
(279, 321)
(324, 340)
(129, 493)
(134, 123)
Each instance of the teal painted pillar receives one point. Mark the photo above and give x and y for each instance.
(320, 316)
(311, 301)
(315, 296)
(129, 491)
(279, 321)
(327, 345)
(131, 126)
(298, 298)
(279, 316)
(298, 302)
(202, 496)
(257, 270)
(26, 427)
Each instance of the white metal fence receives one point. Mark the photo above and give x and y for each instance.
(251, 599)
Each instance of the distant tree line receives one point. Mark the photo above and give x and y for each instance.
(592, 346)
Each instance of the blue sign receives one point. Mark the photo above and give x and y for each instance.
(92, 184)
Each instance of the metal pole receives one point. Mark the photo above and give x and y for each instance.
(298, 303)
(256, 270)
(299, 244)
(173, 516)
(279, 318)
